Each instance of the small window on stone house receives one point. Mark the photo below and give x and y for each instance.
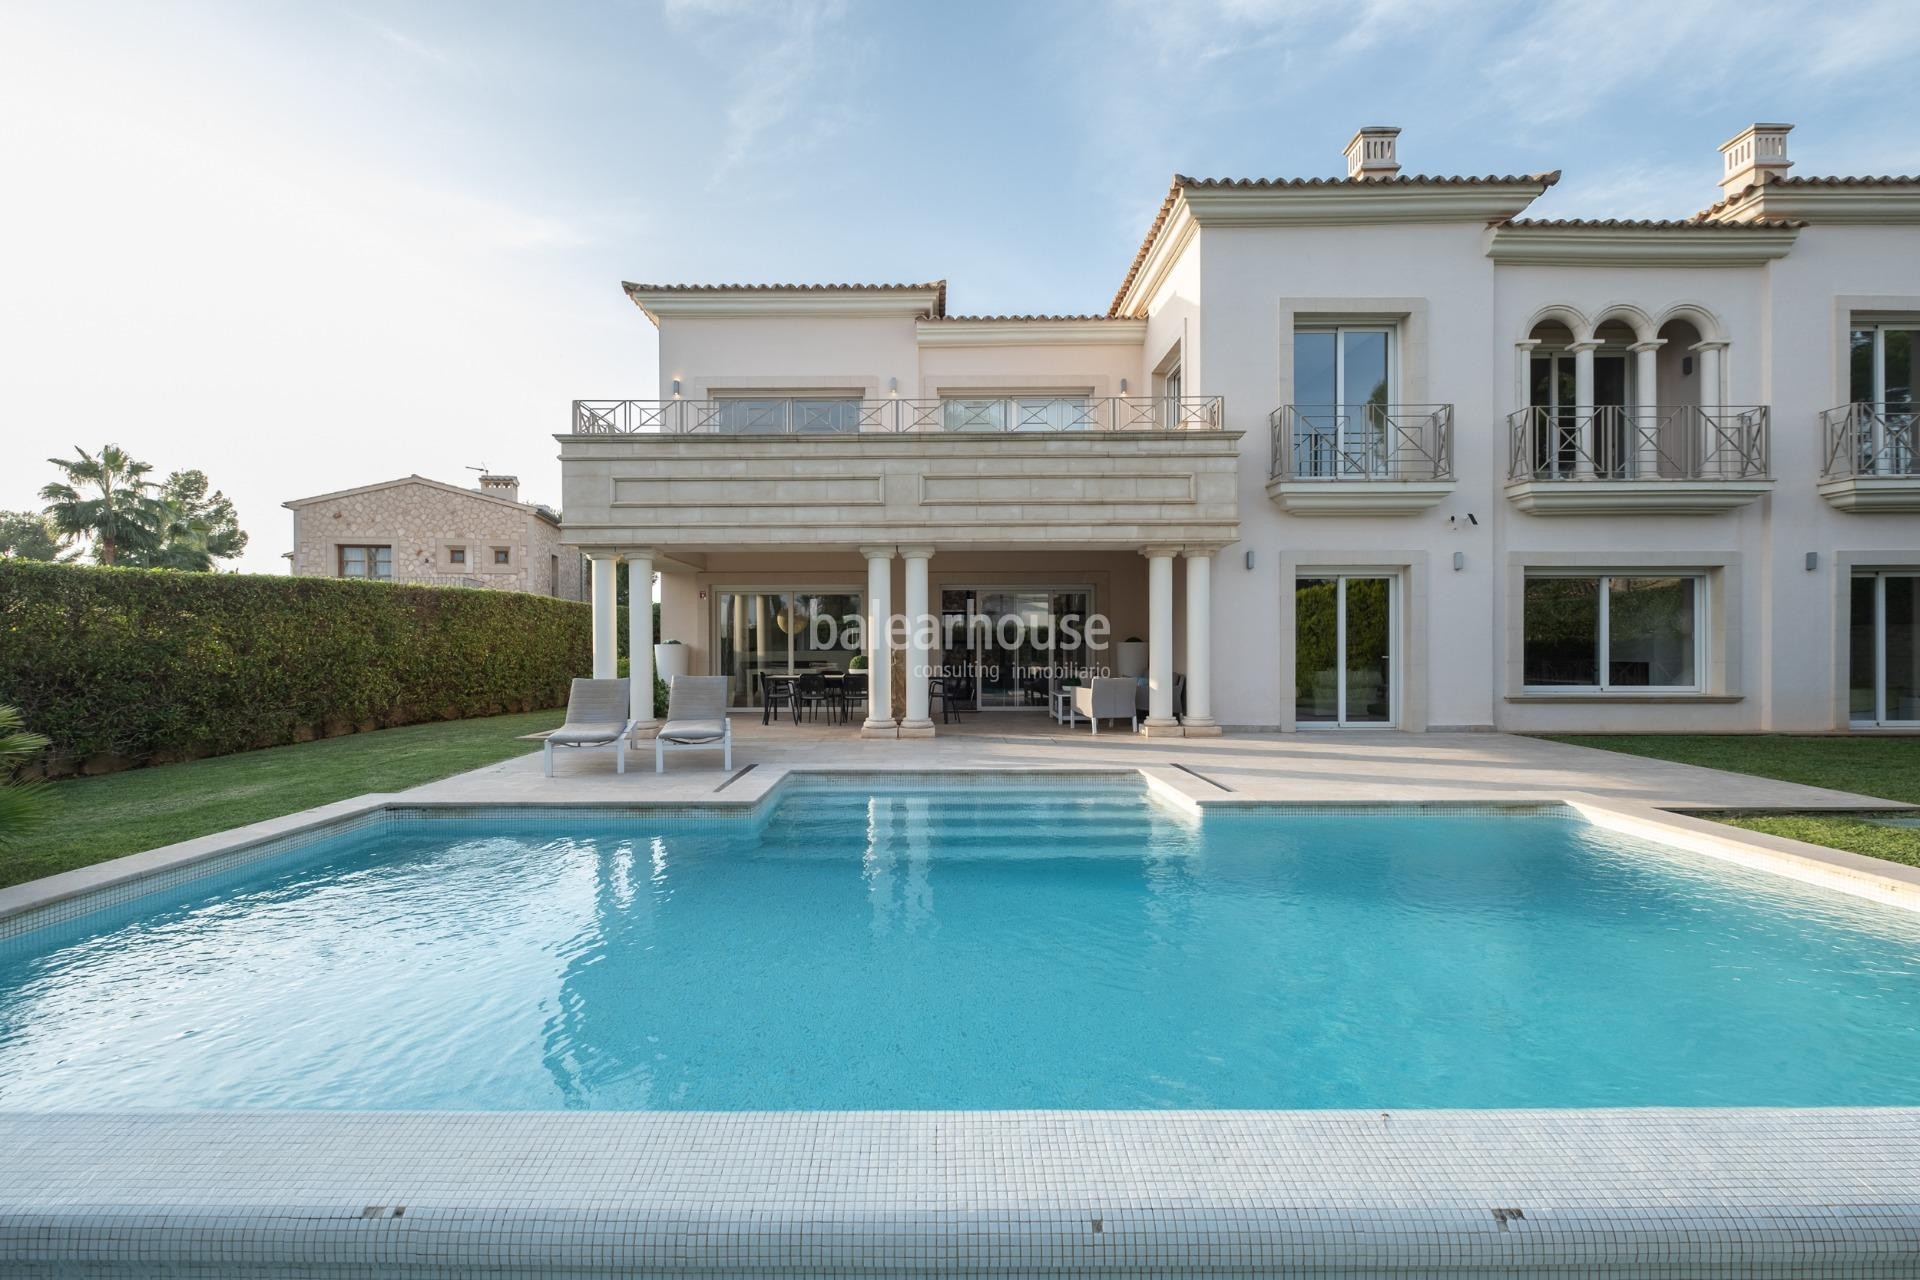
(457, 555)
(501, 555)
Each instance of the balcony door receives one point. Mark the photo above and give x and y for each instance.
(1551, 394)
(1343, 655)
(1342, 386)
(1882, 375)
(1883, 685)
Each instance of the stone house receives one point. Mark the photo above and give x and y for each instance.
(425, 532)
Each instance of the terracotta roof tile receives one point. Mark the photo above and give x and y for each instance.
(1694, 223)
(1022, 319)
(1181, 181)
(1811, 180)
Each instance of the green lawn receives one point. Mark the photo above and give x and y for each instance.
(1885, 767)
(94, 819)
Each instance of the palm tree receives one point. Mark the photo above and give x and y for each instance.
(22, 804)
(106, 498)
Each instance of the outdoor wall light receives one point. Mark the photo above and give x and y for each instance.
(1459, 561)
(893, 386)
(1123, 386)
(1249, 559)
(1813, 561)
(676, 388)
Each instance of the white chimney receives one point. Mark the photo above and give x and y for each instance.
(507, 487)
(1751, 156)
(1374, 152)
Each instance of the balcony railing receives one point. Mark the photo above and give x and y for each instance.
(1867, 439)
(1362, 442)
(821, 415)
(1611, 442)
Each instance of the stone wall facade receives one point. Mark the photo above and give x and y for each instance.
(437, 535)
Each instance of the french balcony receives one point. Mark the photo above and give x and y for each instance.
(1615, 460)
(1872, 457)
(830, 415)
(824, 472)
(1361, 460)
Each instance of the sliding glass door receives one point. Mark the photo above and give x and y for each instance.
(1015, 643)
(1884, 649)
(779, 631)
(1343, 627)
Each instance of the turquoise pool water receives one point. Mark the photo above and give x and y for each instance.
(980, 946)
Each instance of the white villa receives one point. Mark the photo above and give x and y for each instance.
(1371, 451)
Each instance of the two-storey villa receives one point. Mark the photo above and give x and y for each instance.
(1343, 452)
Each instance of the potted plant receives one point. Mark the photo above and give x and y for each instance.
(1132, 658)
(669, 659)
(858, 662)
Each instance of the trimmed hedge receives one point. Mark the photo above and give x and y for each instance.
(124, 667)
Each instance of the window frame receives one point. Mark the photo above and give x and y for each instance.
(1603, 639)
(370, 560)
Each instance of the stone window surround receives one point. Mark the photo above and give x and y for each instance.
(486, 561)
(464, 564)
(1410, 657)
(335, 563)
(1722, 679)
(1845, 563)
(1866, 309)
(1407, 317)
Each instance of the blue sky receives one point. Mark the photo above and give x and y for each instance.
(310, 246)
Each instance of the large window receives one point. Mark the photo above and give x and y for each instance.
(782, 632)
(1884, 632)
(748, 415)
(1019, 413)
(1612, 632)
(374, 563)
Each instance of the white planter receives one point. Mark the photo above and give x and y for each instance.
(1132, 660)
(669, 660)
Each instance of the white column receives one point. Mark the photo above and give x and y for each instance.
(918, 722)
(1645, 442)
(1711, 460)
(1199, 721)
(879, 722)
(606, 635)
(640, 637)
(1160, 721)
(1582, 407)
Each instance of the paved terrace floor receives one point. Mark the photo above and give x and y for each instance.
(1323, 767)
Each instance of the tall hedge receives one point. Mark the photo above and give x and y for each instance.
(122, 667)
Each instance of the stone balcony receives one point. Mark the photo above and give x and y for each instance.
(1361, 460)
(797, 474)
(1615, 460)
(1872, 458)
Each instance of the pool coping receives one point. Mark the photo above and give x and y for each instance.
(1684, 1192)
(1653, 1192)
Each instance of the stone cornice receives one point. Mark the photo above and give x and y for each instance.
(1030, 333)
(1897, 205)
(1691, 246)
(1359, 203)
(1170, 241)
(815, 301)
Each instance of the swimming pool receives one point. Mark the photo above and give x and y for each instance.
(969, 947)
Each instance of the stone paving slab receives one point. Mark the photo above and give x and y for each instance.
(1345, 767)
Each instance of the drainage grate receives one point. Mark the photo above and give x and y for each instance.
(1203, 777)
(737, 775)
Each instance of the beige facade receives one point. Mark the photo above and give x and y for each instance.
(427, 533)
(1362, 452)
